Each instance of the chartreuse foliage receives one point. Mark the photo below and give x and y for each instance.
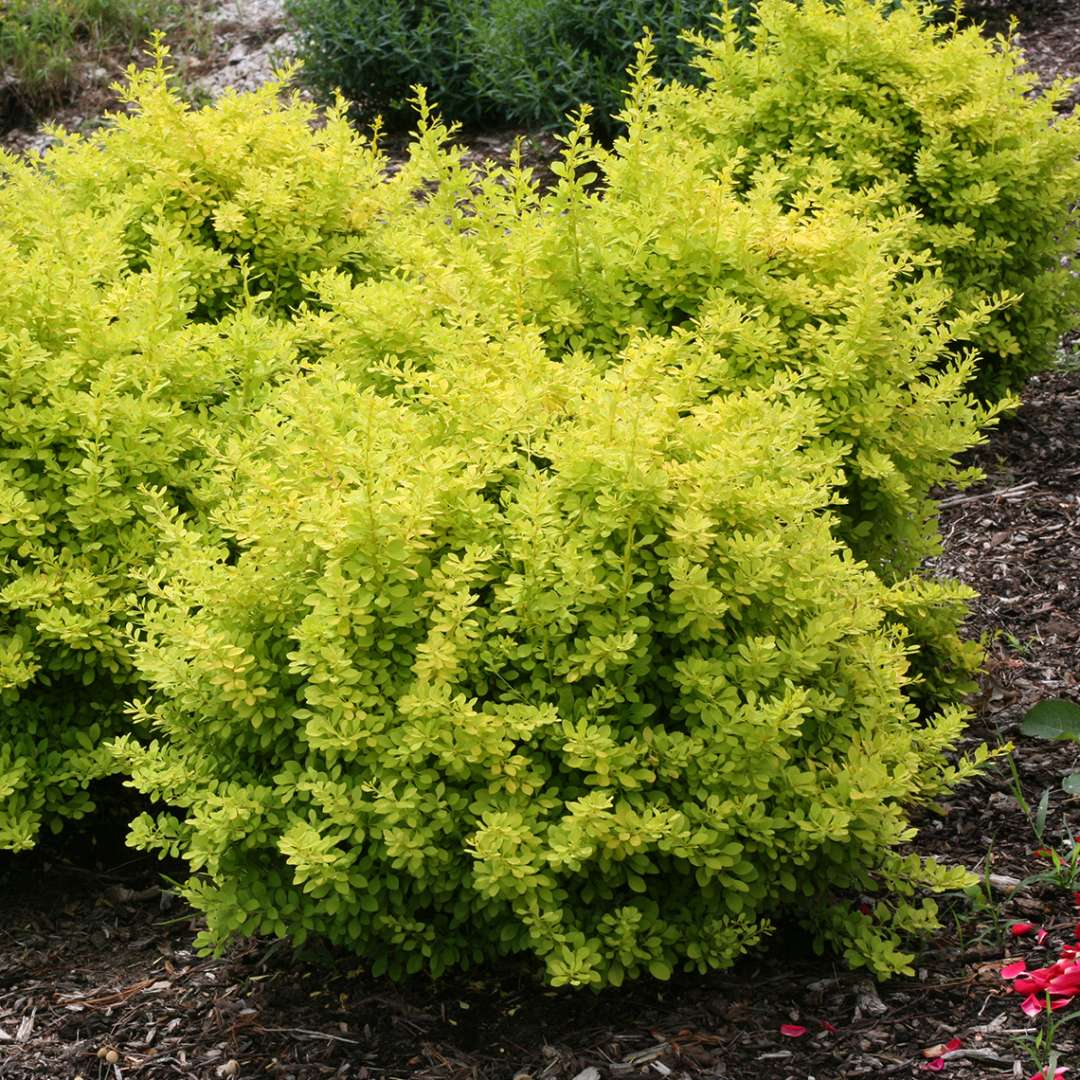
(650, 238)
(495, 572)
(146, 277)
(747, 288)
(907, 114)
(515, 656)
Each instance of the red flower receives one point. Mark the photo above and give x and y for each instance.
(1018, 929)
(792, 1031)
(1051, 987)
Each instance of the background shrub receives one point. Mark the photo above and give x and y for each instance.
(906, 114)
(658, 237)
(498, 62)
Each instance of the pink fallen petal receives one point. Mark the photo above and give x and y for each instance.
(1058, 1074)
(1036, 980)
(1018, 929)
(792, 1031)
(1010, 971)
(1032, 1005)
(933, 1066)
(1040, 936)
(1067, 984)
(953, 1044)
(1060, 1003)
(832, 1029)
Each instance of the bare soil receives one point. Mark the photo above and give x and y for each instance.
(99, 980)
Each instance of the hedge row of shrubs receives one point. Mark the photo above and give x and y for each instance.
(466, 569)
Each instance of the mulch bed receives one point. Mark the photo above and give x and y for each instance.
(99, 980)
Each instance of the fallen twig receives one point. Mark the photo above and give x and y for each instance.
(306, 1032)
(978, 1055)
(999, 493)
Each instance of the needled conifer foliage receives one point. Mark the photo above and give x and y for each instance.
(468, 570)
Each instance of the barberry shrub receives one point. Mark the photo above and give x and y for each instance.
(654, 237)
(513, 655)
(149, 279)
(483, 583)
(904, 113)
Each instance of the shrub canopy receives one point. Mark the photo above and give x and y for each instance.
(511, 63)
(906, 114)
(493, 570)
(561, 662)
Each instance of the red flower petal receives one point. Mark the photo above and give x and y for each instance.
(1032, 1005)
(792, 1031)
(1037, 980)
(1069, 983)
(1010, 971)
(934, 1066)
(1018, 929)
(832, 1029)
(1040, 936)
(953, 1044)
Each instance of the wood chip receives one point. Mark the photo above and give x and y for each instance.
(26, 1027)
(642, 1057)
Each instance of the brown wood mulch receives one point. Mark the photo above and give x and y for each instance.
(98, 978)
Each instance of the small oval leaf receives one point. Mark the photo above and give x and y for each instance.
(1071, 784)
(1053, 719)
